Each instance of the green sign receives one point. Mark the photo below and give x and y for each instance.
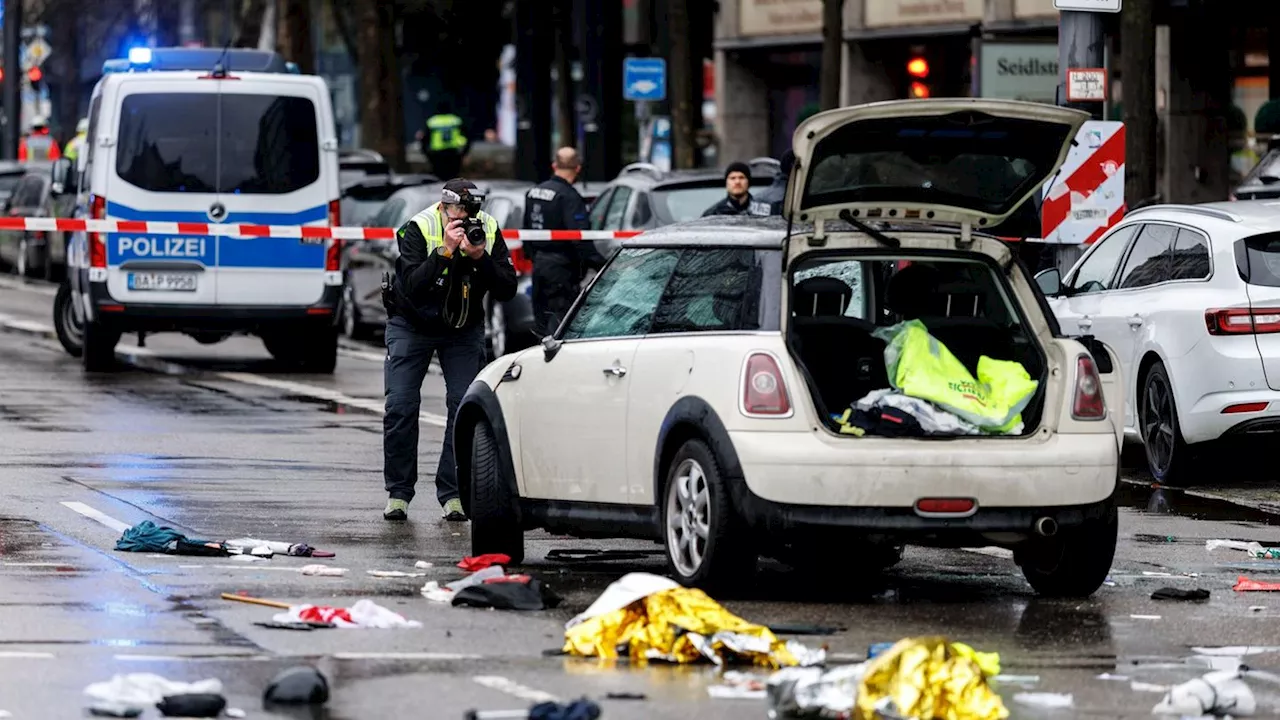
(1019, 71)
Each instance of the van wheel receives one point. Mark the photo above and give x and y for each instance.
(707, 543)
(66, 321)
(353, 325)
(99, 347)
(315, 352)
(1074, 563)
(495, 526)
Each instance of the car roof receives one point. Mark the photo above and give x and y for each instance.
(735, 230)
(1226, 220)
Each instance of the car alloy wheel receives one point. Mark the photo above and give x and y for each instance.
(688, 517)
(23, 249)
(498, 330)
(350, 321)
(1159, 424)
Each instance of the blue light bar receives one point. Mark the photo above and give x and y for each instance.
(140, 56)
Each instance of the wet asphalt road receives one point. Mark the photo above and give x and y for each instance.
(211, 441)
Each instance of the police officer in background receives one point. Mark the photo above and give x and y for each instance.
(738, 200)
(445, 143)
(451, 254)
(558, 266)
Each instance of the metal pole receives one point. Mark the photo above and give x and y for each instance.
(12, 77)
(1081, 44)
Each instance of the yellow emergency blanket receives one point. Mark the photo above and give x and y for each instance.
(929, 678)
(681, 625)
(924, 368)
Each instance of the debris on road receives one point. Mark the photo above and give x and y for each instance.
(365, 614)
(394, 574)
(932, 677)
(648, 617)
(1220, 692)
(1144, 617)
(304, 626)
(423, 565)
(803, 692)
(192, 705)
(1244, 584)
(1254, 549)
(509, 592)
(435, 593)
(579, 555)
(302, 685)
(583, 709)
(480, 562)
(736, 685)
(322, 570)
(130, 695)
(148, 537)
(1169, 593)
(1045, 700)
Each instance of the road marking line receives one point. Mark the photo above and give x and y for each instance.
(403, 656)
(320, 393)
(36, 564)
(511, 687)
(362, 355)
(97, 515)
(19, 655)
(192, 658)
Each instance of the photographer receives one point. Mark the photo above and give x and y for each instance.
(451, 254)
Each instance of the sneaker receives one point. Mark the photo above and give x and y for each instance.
(396, 510)
(453, 511)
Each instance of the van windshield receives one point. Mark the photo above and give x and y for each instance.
(174, 142)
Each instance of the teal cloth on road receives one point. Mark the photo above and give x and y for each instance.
(146, 536)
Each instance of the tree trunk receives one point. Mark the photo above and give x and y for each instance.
(250, 25)
(684, 144)
(1137, 73)
(295, 39)
(63, 67)
(832, 41)
(566, 108)
(381, 113)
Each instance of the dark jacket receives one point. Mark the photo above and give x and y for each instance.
(773, 194)
(750, 206)
(428, 289)
(556, 205)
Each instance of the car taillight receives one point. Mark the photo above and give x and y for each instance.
(763, 389)
(1089, 403)
(333, 256)
(97, 241)
(1242, 321)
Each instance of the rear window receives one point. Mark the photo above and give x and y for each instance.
(967, 160)
(679, 204)
(205, 143)
(1258, 259)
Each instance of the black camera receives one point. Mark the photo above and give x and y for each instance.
(474, 229)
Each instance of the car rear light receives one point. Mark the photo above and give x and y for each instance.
(333, 255)
(945, 506)
(1245, 408)
(97, 241)
(763, 390)
(1242, 321)
(1089, 403)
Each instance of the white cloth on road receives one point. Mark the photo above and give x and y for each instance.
(139, 691)
(1222, 692)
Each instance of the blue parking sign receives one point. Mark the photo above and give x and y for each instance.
(644, 79)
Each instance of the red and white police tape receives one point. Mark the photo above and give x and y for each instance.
(307, 232)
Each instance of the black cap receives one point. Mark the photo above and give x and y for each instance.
(741, 167)
(461, 189)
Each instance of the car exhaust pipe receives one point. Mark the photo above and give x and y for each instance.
(1046, 527)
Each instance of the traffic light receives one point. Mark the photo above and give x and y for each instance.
(35, 75)
(918, 71)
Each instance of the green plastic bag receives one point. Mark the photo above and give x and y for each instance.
(924, 368)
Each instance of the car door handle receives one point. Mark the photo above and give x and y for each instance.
(1135, 322)
(615, 371)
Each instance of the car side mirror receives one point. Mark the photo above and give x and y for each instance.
(550, 346)
(1050, 282)
(60, 174)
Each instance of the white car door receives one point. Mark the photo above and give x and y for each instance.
(1080, 299)
(573, 420)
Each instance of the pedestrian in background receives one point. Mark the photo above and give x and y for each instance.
(445, 143)
(558, 266)
(738, 200)
(451, 254)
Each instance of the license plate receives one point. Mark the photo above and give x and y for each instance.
(180, 282)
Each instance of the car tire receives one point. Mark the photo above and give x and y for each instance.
(99, 354)
(1075, 562)
(353, 325)
(1170, 460)
(315, 352)
(709, 548)
(495, 525)
(66, 324)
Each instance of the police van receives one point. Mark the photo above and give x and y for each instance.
(195, 135)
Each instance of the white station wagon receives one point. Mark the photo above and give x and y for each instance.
(699, 392)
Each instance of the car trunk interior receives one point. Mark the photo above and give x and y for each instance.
(839, 299)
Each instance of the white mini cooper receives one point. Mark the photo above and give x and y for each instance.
(699, 391)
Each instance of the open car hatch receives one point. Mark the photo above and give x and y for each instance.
(970, 161)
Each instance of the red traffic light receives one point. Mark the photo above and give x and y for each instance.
(918, 67)
(919, 90)
(35, 75)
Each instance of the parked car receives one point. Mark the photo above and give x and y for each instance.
(508, 325)
(355, 165)
(362, 199)
(1263, 181)
(644, 196)
(1188, 297)
(37, 253)
(11, 171)
(693, 392)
